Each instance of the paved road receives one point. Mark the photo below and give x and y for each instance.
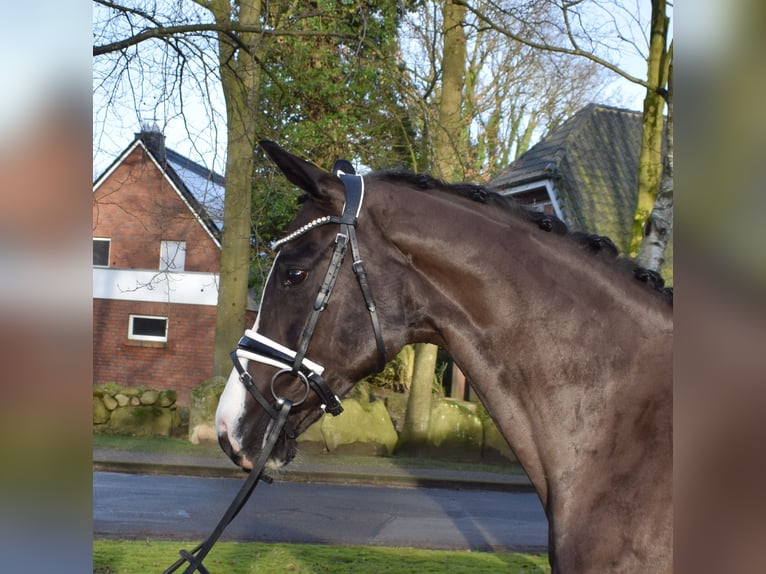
(139, 506)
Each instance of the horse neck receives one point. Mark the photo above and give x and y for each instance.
(548, 337)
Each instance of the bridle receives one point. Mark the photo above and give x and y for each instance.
(254, 346)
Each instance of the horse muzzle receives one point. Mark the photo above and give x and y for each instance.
(283, 451)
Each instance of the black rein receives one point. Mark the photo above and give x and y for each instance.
(198, 554)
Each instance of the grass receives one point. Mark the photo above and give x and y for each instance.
(168, 445)
(142, 557)
(181, 446)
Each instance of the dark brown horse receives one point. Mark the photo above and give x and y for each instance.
(568, 346)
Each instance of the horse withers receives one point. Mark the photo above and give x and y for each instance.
(568, 346)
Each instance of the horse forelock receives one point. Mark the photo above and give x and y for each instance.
(602, 247)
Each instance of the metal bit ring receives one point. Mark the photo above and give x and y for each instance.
(300, 375)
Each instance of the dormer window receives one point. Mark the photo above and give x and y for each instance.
(538, 195)
(536, 199)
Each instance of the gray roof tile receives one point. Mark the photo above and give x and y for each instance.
(592, 158)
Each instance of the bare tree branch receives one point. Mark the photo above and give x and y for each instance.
(573, 50)
(165, 32)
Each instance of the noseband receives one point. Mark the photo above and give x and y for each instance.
(254, 346)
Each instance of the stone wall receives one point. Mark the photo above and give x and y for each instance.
(459, 430)
(134, 411)
(363, 428)
(204, 402)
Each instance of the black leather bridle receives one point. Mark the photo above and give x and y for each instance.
(256, 347)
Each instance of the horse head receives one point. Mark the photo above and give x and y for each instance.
(312, 313)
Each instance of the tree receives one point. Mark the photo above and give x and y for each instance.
(650, 159)
(659, 226)
(511, 93)
(450, 135)
(240, 76)
(265, 62)
(450, 138)
(417, 417)
(581, 26)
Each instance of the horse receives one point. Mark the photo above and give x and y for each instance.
(567, 344)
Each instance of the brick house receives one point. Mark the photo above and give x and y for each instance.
(157, 220)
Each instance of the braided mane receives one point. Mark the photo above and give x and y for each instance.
(599, 245)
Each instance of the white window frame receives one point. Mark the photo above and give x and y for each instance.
(138, 337)
(108, 251)
(533, 186)
(172, 255)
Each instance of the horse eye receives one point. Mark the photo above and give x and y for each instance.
(295, 277)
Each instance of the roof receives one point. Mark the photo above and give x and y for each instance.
(202, 189)
(205, 185)
(592, 160)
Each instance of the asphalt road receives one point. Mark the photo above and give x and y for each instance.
(136, 506)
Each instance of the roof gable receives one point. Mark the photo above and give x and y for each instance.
(592, 161)
(201, 190)
(202, 184)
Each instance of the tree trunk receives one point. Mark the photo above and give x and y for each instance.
(659, 226)
(450, 136)
(239, 79)
(407, 359)
(450, 139)
(650, 158)
(418, 416)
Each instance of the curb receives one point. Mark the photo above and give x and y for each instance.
(413, 478)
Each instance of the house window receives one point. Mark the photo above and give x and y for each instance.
(536, 199)
(147, 328)
(172, 255)
(101, 251)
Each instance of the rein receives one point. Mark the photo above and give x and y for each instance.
(198, 554)
(256, 347)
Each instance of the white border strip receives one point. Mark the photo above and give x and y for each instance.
(311, 365)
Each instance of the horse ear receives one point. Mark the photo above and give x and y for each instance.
(313, 180)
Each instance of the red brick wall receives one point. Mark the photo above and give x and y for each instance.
(136, 207)
(182, 363)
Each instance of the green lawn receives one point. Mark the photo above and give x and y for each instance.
(142, 557)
